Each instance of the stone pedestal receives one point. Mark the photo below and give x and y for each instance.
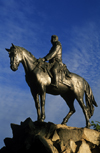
(29, 137)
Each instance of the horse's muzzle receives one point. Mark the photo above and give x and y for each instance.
(13, 67)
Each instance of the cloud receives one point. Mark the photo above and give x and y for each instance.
(83, 54)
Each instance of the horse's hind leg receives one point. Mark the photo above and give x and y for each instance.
(81, 102)
(70, 103)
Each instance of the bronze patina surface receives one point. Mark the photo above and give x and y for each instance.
(42, 78)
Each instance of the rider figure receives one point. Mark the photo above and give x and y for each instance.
(54, 56)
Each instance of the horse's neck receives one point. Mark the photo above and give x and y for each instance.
(28, 62)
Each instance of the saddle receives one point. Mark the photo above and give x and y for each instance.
(64, 75)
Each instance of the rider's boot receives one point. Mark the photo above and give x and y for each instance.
(55, 81)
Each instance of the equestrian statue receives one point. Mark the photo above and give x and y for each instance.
(54, 78)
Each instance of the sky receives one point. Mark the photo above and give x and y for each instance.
(30, 24)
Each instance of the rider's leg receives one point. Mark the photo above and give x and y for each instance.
(54, 71)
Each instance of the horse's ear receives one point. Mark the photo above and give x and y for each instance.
(13, 45)
(8, 50)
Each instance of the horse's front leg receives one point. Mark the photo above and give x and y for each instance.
(37, 104)
(42, 97)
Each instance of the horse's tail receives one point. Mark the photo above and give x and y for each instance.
(90, 101)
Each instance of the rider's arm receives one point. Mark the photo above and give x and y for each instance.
(54, 50)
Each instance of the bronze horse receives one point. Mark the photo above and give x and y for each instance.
(40, 84)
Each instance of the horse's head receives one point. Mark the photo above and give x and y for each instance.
(15, 57)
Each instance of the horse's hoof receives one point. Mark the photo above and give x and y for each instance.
(43, 118)
(88, 125)
(63, 123)
(39, 119)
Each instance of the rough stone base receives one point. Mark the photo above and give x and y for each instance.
(29, 137)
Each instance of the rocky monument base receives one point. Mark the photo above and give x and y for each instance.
(29, 137)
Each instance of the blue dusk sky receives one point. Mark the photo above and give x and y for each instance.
(30, 24)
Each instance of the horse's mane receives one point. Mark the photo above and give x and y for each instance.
(23, 49)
